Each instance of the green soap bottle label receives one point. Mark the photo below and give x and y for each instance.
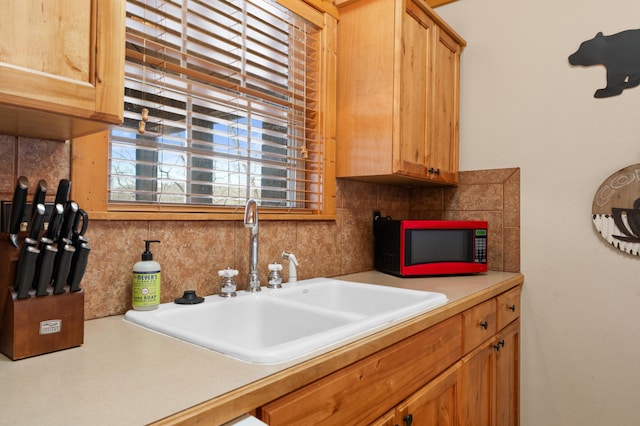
(146, 288)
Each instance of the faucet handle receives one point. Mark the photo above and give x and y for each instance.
(275, 276)
(228, 283)
(228, 272)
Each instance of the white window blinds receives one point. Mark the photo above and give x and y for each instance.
(221, 104)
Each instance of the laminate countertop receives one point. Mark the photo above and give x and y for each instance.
(124, 374)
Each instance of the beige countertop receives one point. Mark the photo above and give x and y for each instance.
(124, 374)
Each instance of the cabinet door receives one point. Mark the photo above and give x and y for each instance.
(435, 404)
(443, 153)
(415, 92)
(508, 376)
(478, 382)
(62, 58)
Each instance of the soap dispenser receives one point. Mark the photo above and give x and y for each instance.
(145, 283)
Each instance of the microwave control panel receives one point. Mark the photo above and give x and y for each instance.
(480, 246)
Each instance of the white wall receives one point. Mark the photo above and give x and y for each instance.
(524, 105)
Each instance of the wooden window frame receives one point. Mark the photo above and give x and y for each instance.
(90, 154)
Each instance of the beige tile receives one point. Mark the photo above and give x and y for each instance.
(429, 199)
(115, 248)
(512, 249)
(358, 195)
(474, 197)
(512, 193)
(44, 159)
(484, 177)
(191, 253)
(7, 166)
(318, 250)
(393, 198)
(356, 241)
(274, 238)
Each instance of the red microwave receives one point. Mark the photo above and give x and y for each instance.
(409, 248)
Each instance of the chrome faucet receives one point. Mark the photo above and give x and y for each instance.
(251, 222)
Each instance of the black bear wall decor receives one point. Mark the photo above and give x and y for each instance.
(619, 53)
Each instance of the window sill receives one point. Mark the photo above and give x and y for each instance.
(190, 216)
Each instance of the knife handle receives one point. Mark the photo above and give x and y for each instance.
(63, 265)
(26, 270)
(69, 218)
(39, 195)
(54, 222)
(62, 194)
(37, 220)
(44, 270)
(18, 205)
(78, 266)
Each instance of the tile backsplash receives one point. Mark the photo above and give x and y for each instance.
(192, 252)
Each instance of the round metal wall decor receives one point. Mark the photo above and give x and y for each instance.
(616, 210)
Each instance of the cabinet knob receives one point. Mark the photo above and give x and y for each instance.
(512, 308)
(484, 324)
(408, 419)
(433, 171)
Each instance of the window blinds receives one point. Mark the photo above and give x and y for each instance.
(221, 104)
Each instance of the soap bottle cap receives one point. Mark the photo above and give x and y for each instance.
(147, 255)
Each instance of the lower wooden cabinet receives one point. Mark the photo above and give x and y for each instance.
(508, 376)
(491, 381)
(463, 371)
(365, 390)
(434, 404)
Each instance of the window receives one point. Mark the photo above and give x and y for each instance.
(224, 100)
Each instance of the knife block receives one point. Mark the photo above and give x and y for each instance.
(36, 325)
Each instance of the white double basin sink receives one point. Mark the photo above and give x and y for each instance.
(278, 325)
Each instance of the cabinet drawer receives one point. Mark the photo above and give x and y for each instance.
(508, 307)
(364, 391)
(479, 323)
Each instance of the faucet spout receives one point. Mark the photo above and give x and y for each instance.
(251, 222)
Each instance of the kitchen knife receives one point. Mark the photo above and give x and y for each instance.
(62, 195)
(26, 270)
(37, 219)
(38, 197)
(44, 270)
(17, 209)
(69, 218)
(64, 256)
(78, 266)
(55, 221)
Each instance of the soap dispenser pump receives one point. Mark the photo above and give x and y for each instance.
(145, 283)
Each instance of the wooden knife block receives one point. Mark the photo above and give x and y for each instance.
(36, 325)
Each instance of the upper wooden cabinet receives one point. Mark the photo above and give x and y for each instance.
(61, 67)
(398, 93)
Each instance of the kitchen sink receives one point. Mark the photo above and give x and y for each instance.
(278, 325)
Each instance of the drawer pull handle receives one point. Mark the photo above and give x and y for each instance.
(512, 308)
(484, 325)
(408, 419)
